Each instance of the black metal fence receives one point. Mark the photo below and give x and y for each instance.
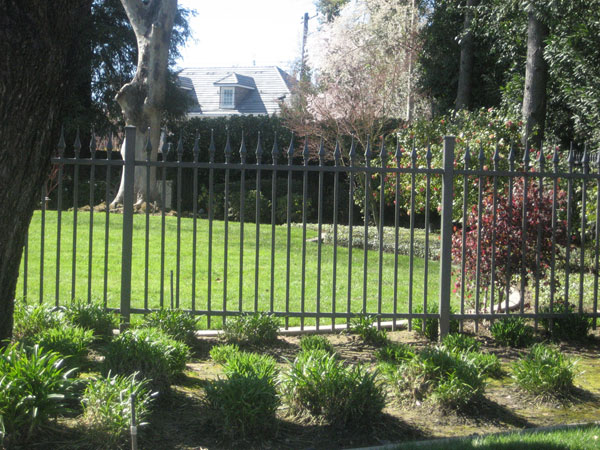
(515, 237)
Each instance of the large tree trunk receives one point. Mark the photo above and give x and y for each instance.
(38, 42)
(536, 76)
(142, 99)
(463, 92)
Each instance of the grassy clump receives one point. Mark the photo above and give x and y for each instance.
(248, 364)
(221, 353)
(30, 320)
(545, 372)
(255, 329)
(107, 408)
(571, 326)
(448, 379)
(394, 352)
(467, 347)
(512, 332)
(92, 316)
(33, 388)
(67, 340)
(156, 356)
(458, 342)
(180, 325)
(316, 342)
(362, 325)
(429, 327)
(319, 384)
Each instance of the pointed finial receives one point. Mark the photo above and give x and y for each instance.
(555, 158)
(305, 152)
(337, 153)
(259, 149)
(180, 148)
(428, 156)
(368, 153)
(481, 156)
(383, 152)
(275, 150)
(77, 144)
(585, 159)
(467, 157)
(526, 156)
(212, 149)
(398, 153)
(352, 152)
(290, 150)
(165, 146)
(227, 150)
(413, 154)
(148, 147)
(541, 158)
(321, 152)
(196, 149)
(496, 157)
(109, 146)
(511, 155)
(93, 145)
(571, 156)
(61, 143)
(243, 150)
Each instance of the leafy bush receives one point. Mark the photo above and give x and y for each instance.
(107, 408)
(180, 325)
(449, 379)
(242, 406)
(394, 352)
(314, 342)
(544, 372)
(30, 320)
(250, 365)
(321, 385)
(66, 340)
(33, 388)
(149, 351)
(571, 326)
(221, 353)
(466, 347)
(512, 332)
(362, 325)
(458, 342)
(258, 328)
(487, 364)
(92, 316)
(430, 327)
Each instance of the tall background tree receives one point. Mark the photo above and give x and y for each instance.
(39, 43)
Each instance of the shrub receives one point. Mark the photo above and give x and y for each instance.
(314, 342)
(512, 332)
(107, 408)
(221, 353)
(92, 316)
(149, 351)
(467, 347)
(571, 326)
(250, 365)
(242, 406)
(394, 352)
(458, 342)
(321, 385)
(446, 378)
(430, 327)
(66, 340)
(33, 388)
(545, 372)
(180, 325)
(251, 329)
(487, 364)
(362, 325)
(30, 320)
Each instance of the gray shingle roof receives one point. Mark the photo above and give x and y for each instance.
(269, 86)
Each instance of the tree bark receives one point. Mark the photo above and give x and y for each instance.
(536, 76)
(38, 43)
(142, 99)
(463, 92)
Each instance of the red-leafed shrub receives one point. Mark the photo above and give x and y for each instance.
(515, 249)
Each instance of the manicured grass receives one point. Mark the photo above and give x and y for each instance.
(217, 298)
(580, 438)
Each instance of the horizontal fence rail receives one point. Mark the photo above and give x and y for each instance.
(319, 236)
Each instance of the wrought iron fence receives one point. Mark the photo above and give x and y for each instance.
(204, 261)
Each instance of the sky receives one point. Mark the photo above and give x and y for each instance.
(246, 32)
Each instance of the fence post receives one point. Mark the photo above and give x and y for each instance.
(126, 249)
(446, 238)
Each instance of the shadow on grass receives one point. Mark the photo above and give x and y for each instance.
(488, 411)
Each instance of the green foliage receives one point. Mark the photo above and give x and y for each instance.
(221, 353)
(320, 384)
(487, 364)
(248, 364)
(394, 352)
(362, 325)
(66, 340)
(30, 320)
(467, 347)
(257, 329)
(242, 407)
(179, 325)
(92, 316)
(450, 379)
(458, 342)
(316, 342)
(156, 356)
(545, 372)
(33, 388)
(430, 327)
(512, 332)
(107, 408)
(571, 326)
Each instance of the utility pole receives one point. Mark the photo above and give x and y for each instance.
(303, 56)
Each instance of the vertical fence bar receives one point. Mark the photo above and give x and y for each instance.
(337, 155)
(275, 156)
(352, 155)
(127, 247)
(382, 179)
(259, 152)
(541, 166)
(319, 230)
(555, 161)
(61, 154)
(211, 194)
(166, 147)
(585, 162)
(463, 260)
(290, 157)
(446, 236)
(597, 244)
(481, 159)
(305, 155)
(571, 162)
(92, 201)
(366, 222)
(511, 169)
(428, 158)
(411, 262)
(397, 155)
(77, 149)
(524, 227)
(178, 263)
(243, 154)
(109, 148)
(25, 260)
(496, 160)
(196, 155)
(148, 152)
(42, 247)
(227, 153)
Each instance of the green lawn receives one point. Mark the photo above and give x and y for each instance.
(218, 301)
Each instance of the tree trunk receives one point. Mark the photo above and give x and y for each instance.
(38, 43)
(463, 92)
(142, 99)
(536, 76)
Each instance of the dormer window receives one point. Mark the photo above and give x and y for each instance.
(227, 97)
